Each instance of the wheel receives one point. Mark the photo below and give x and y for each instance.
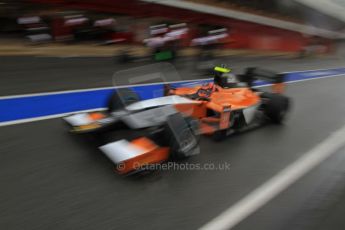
(181, 137)
(122, 98)
(275, 107)
(194, 125)
(219, 135)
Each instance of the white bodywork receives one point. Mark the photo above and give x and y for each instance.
(141, 114)
(160, 101)
(149, 118)
(249, 113)
(121, 150)
(78, 119)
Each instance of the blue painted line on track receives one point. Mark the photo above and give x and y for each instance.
(12, 109)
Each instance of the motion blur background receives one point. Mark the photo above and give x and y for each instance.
(285, 27)
(49, 180)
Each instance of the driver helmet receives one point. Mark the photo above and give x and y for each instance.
(223, 76)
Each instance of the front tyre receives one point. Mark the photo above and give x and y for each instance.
(182, 137)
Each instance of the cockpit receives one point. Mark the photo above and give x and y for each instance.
(224, 78)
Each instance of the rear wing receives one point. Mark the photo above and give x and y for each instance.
(276, 79)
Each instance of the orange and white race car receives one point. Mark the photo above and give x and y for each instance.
(231, 104)
(137, 133)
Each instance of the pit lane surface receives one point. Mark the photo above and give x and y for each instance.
(315, 202)
(23, 75)
(51, 180)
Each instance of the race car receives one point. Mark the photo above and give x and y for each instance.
(231, 104)
(139, 133)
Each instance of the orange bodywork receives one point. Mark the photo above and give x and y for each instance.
(96, 116)
(237, 98)
(221, 100)
(153, 154)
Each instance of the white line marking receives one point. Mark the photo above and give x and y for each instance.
(94, 89)
(65, 114)
(15, 122)
(311, 70)
(270, 189)
(307, 79)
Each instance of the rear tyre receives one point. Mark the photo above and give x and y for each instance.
(276, 107)
(219, 135)
(122, 98)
